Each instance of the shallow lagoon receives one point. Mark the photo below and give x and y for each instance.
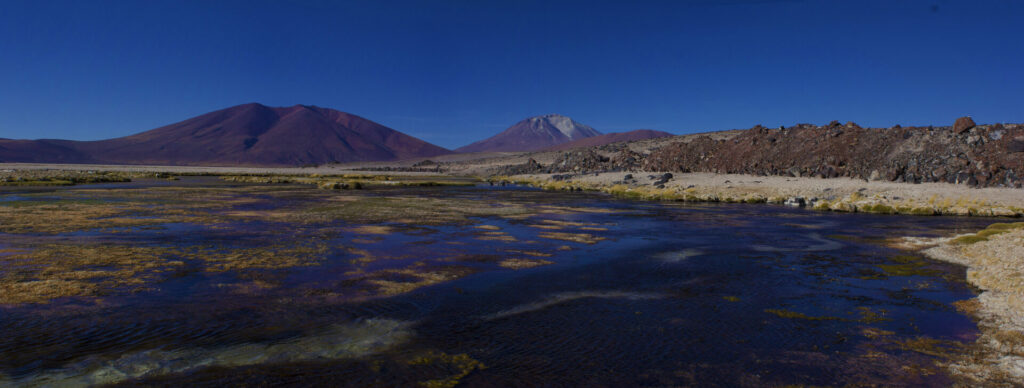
(207, 282)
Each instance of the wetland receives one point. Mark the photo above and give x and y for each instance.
(247, 281)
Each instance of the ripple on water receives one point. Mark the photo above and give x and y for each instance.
(568, 297)
(678, 256)
(337, 342)
(824, 244)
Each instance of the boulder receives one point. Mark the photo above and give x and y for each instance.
(1015, 145)
(795, 202)
(963, 124)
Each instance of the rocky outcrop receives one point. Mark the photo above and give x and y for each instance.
(963, 124)
(984, 156)
(590, 160)
(530, 167)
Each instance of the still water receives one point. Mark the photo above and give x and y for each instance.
(659, 294)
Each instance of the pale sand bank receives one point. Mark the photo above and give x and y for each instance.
(838, 194)
(995, 264)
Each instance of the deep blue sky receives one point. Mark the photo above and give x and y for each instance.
(452, 72)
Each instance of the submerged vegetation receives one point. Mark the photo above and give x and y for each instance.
(93, 242)
(351, 181)
(73, 177)
(286, 241)
(460, 365)
(985, 234)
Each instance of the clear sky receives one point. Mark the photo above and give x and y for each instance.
(452, 72)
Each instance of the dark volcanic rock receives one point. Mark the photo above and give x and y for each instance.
(900, 154)
(610, 138)
(581, 160)
(963, 124)
(1015, 145)
(530, 167)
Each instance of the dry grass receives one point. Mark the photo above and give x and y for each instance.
(584, 238)
(403, 209)
(516, 263)
(371, 229)
(529, 253)
(412, 279)
(985, 234)
(52, 271)
(496, 236)
(460, 364)
(73, 270)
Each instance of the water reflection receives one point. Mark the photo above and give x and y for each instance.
(654, 294)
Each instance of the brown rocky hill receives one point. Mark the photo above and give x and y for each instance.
(975, 155)
(609, 138)
(985, 155)
(533, 134)
(250, 134)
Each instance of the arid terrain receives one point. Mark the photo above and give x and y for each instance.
(967, 171)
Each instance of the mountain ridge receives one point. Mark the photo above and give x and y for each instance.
(533, 133)
(247, 134)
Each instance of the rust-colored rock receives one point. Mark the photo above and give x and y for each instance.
(902, 154)
(963, 124)
(609, 138)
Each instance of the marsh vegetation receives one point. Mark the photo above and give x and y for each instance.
(420, 284)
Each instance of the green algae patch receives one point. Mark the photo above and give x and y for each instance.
(877, 208)
(906, 265)
(789, 314)
(867, 315)
(730, 298)
(909, 269)
(459, 365)
(991, 230)
(411, 210)
(942, 349)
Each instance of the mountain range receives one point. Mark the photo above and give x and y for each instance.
(258, 135)
(533, 134)
(250, 134)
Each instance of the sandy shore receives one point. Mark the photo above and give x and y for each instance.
(836, 194)
(994, 259)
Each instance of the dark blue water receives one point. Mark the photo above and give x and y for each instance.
(675, 294)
